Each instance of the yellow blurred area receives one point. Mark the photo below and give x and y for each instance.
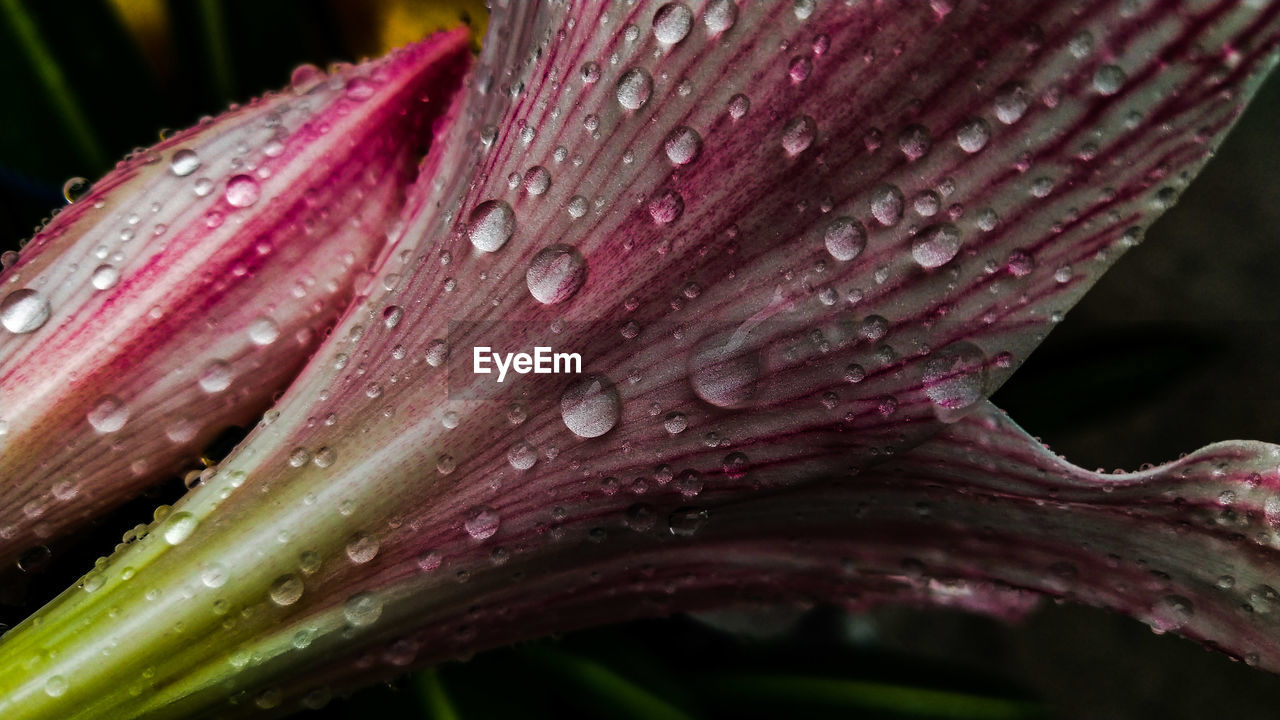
(370, 27)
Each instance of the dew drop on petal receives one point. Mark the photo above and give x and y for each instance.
(263, 331)
(1108, 80)
(955, 377)
(973, 135)
(686, 522)
(74, 189)
(936, 245)
(1011, 103)
(675, 423)
(242, 191)
(590, 406)
(522, 456)
(722, 373)
(845, 238)
(537, 180)
(361, 548)
(555, 274)
(739, 105)
(104, 277)
(887, 204)
(671, 23)
(184, 162)
(359, 88)
(178, 527)
(437, 352)
(683, 145)
(362, 609)
(666, 206)
(720, 15)
(109, 414)
(798, 134)
(216, 377)
(491, 225)
(914, 141)
(634, 88)
(286, 590)
(24, 311)
(55, 686)
(482, 522)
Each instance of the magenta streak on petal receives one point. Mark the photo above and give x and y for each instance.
(187, 295)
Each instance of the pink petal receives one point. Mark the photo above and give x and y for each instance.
(192, 283)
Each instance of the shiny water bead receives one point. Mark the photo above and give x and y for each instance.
(936, 245)
(242, 191)
(666, 206)
(845, 238)
(798, 134)
(887, 204)
(74, 189)
(184, 162)
(555, 274)
(591, 406)
(973, 135)
(739, 105)
(590, 72)
(522, 456)
(720, 15)
(104, 277)
(24, 311)
(672, 22)
(955, 377)
(634, 88)
(683, 145)
(1012, 100)
(491, 225)
(537, 180)
(914, 141)
(109, 414)
(482, 522)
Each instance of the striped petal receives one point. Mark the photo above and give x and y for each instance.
(191, 284)
(789, 241)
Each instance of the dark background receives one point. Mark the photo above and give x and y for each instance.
(1174, 349)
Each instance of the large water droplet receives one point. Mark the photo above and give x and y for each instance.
(973, 135)
(955, 377)
(887, 204)
(482, 523)
(24, 311)
(683, 145)
(590, 406)
(362, 609)
(184, 162)
(798, 134)
(936, 245)
(109, 414)
(720, 15)
(263, 331)
(286, 590)
(634, 88)
(672, 23)
(361, 548)
(1171, 612)
(522, 455)
(914, 141)
(845, 238)
(491, 225)
(179, 526)
(723, 372)
(666, 206)
(216, 377)
(1011, 103)
(242, 191)
(555, 274)
(104, 277)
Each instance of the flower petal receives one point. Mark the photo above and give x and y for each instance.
(436, 490)
(193, 281)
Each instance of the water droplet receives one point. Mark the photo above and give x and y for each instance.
(242, 191)
(491, 225)
(430, 560)
(590, 406)
(1011, 103)
(914, 141)
(55, 686)
(184, 162)
(720, 15)
(109, 414)
(641, 517)
(955, 377)
(845, 238)
(798, 134)
(675, 423)
(74, 189)
(590, 72)
(683, 145)
(214, 575)
(1063, 274)
(1081, 44)
(555, 274)
(1171, 612)
(24, 311)
(887, 204)
(286, 590)
(361, 548)
(738, 106)
(263, 331)
(686, 521)
(522, 456)
(1020, 263)
(179, 526)
(105, 277)
(359, 88)
(936, 245)
(973, 135)
(537, 180)
(1108, 80)
(437, 352)
(217, 377)
(202, 187)
(671, 23)
(634, 88)
(804, 8)
(723, 373)
(362, 609)
(666, 206)
(577, 206)
(482, 523)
